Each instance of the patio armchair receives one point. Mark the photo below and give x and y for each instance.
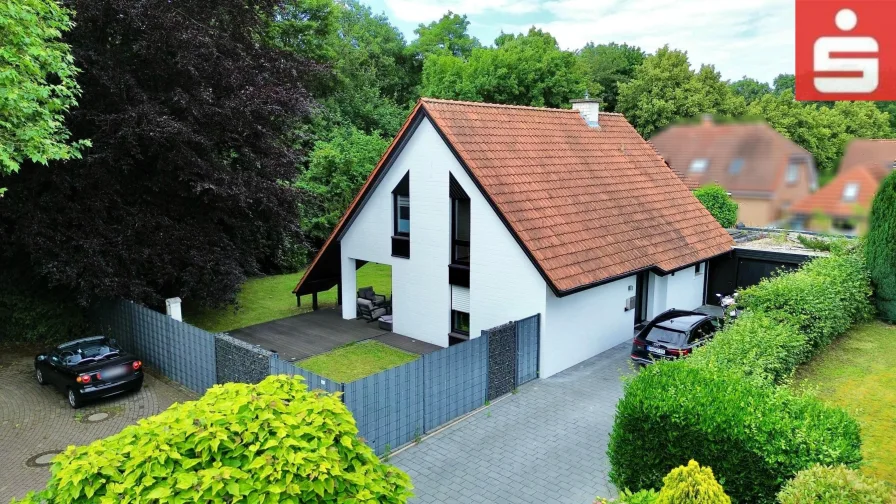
(368, 294)
(369, 311)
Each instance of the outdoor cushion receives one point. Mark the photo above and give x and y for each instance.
(365, 302)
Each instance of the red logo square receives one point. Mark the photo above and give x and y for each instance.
(845, 50)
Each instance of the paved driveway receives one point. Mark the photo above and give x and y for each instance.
(36, 422)
(547, 443)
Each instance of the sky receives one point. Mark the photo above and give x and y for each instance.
(740, 37)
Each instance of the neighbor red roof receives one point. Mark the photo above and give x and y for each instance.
(764, 152)
(872, 152)
(829, 199)
(587, 204)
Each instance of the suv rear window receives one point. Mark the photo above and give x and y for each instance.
(667, 337)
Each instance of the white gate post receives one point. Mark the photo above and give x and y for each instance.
(172, 308)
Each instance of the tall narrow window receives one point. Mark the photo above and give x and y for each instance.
(402, 215)
(460, 253)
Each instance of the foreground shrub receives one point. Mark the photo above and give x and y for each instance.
(834, 485)
(822, 299)
(757, 346)
(628, 497)
(692, 484)
(754, 437)
(270, 442)
(880, 247)
(716, 199)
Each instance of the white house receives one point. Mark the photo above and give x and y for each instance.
(493, 213)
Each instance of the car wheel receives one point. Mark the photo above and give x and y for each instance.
(74, 399)
(40, 377)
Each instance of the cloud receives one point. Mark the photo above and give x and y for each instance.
(425, 11)
(740, 37)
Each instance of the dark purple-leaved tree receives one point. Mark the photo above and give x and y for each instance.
(187, 188)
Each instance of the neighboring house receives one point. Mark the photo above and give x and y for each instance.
(492, 213)
(842, 205)
(763, 170)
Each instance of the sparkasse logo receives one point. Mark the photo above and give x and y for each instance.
(845, 50)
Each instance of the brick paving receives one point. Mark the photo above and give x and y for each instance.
(35, 420)
(547, 443)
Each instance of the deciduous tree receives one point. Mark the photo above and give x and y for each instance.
(609, 65)
(37, 84)
(528, 69)
(187, 188)
(448, 35)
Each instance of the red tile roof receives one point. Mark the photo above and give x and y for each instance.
(587, 204)
(862, 151)
(829, 199)
(765, 154)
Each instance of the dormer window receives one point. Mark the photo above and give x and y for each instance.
(736, 165)
(699, 165)
(851, 192)
(793, 172)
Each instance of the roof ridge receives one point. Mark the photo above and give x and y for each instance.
(499, 105)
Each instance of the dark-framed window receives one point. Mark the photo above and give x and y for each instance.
(460, 234)
(460, 322)
(402, 212)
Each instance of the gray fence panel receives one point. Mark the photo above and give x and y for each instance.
(388, 406)
(527, 340)
(183, 353)
(455, 381)
(314, 381)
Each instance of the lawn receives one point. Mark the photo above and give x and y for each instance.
(857, 374)
(355, 361)
(271, 298)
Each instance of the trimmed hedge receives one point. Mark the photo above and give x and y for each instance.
(270, 442)
(754, 437)
(757, 346)
(822, 299)
(835, 485)
(880, 247)
(716, 199)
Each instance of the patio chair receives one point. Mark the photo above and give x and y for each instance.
(368, 294)
(369, 311)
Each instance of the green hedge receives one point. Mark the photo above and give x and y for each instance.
(835, 485)
(756, 345)
(32, 313)
(754, 437)
(823, 299)
(270, 442)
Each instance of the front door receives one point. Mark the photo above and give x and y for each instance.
(641, 298)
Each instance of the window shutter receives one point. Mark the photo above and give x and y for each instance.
(460, 299)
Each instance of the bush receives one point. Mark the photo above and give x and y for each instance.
(274, 441)
(834, 485)
(813, 243)
(756, 345)
(823, 299)
(880, 247)
(754, 437)
(692, 484)
(715, 198)
(627, 497)
(29, 312)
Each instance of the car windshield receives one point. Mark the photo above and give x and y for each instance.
(90, 351)
(667, 337)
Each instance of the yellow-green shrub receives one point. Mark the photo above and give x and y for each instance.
(270, 442)
(834, 485)
(692, 484)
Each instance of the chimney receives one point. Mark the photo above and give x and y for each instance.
(590, 110)
(172, 308)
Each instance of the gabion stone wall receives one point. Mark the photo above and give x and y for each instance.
(238, 361)
(501, 360)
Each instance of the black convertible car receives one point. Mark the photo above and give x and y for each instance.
(673, 334)
(89, 368)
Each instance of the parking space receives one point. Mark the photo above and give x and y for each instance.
(36, 422)
(546, 443)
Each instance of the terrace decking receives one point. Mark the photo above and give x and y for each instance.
(302, 336)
